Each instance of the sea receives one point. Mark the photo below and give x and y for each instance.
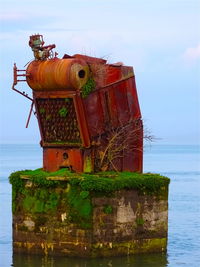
(181, 163)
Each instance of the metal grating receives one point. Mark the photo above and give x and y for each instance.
(58, 121)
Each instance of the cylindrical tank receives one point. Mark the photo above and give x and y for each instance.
(57, 74)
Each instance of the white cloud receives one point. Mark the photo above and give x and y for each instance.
(10, 16)
(192, 54)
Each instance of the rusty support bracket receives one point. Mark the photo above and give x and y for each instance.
(15, 80)
(30, 112)
(21, 93)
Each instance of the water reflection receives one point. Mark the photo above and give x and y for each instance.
(147, 260)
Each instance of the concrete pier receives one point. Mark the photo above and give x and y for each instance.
(91, 215)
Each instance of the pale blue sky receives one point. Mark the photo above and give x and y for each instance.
(160, 39)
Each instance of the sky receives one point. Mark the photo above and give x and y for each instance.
(160, 39)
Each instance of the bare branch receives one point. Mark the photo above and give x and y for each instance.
(120, 141)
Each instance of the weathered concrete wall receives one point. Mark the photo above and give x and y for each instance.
(120, 223)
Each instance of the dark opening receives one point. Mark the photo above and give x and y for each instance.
(65, 155)
(81, 73)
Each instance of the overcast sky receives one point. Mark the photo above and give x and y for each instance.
(160, 39)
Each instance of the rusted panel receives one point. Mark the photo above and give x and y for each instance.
(56, 158)
(122, 103)
(51, 159)
(127, 72)
(94, 114)
(133, 98)
(81, 117)
(113, 107)
(89, 59)
(113, 74)
(76, 159)
(53, 94)
(106, 108)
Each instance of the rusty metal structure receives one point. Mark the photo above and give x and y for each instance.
(87, 110)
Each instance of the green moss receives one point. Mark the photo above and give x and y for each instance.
(42, 194)
(41, 172)
(107, 182)
(68, 100)
(38, 177)
(48, 117)
(145, 183)
(139, 221)
(14, 194)
(88, 87)
(39, 200)
(29, 202)
(42, 111)
(76, 191)
(63, 112)
(84, 194)
(80, 209)
(23, 228)
(52, 202)
(16, 181)
(88, 165)
(13, 206)
(71, 143)
(108, 209)
(39, 206)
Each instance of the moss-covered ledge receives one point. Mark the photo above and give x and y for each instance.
(88, 214)
(106, 182)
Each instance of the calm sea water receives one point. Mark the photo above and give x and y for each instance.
(180, 163)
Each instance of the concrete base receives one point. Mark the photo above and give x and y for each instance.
(67, 221)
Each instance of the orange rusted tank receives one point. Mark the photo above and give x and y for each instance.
(57, 74)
